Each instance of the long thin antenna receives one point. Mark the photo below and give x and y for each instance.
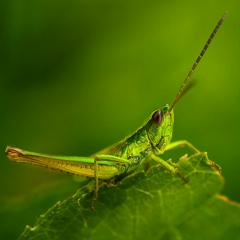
(178, 96)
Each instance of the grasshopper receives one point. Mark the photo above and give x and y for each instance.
(147, 142)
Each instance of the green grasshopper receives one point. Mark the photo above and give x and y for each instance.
(124, 157)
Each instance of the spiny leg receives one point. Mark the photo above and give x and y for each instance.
(169, 167)
(96, 183)
(111, 159)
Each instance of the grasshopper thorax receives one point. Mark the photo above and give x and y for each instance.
(159, 128)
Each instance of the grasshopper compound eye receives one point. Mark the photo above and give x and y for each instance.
(157, 117)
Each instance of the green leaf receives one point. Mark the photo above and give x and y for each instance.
(152, 205)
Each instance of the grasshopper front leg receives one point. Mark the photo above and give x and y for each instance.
(172, 145)
(181, 143)
(168, 167)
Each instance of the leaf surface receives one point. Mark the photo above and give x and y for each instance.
(152, 205)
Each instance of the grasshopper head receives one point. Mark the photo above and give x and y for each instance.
(159, 128)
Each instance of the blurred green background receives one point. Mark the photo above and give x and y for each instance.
(77, 76)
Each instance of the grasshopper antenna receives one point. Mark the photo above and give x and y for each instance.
(180, 91)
